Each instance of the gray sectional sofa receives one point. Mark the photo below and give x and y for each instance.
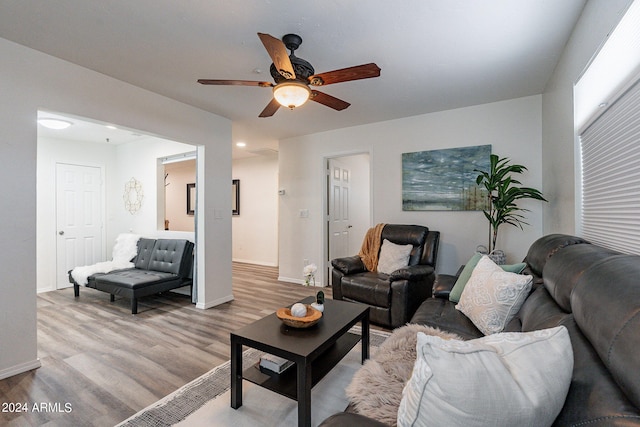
(159, 266)
(592, 291)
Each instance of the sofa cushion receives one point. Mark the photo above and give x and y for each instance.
(136, 278)
(170, 256)
(597, 297)
(492, 296)
(393, 257)
(441, 313)
(562, 271)
(507, 379)
(415, 235)
(545, 247)
(145, 248)
(368, 288)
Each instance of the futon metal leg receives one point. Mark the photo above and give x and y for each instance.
(134, 305)
(112, 297)
(76, 290)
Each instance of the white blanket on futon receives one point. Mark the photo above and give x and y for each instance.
(125, 249)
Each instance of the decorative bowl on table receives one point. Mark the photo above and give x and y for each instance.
(312, 317)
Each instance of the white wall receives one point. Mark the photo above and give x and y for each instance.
(255, 230)
(31, 81)
(559, 153)
(512, 127)
(139, 160)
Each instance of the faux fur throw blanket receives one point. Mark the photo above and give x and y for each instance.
(125, 249)
(371, 247)
(376, 388)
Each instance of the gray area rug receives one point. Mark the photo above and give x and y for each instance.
(184, 402)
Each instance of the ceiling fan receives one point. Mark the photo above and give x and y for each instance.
(293, 75)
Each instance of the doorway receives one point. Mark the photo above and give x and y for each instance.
(348, 206)
(120, 154)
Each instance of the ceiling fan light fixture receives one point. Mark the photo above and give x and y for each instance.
(291, 93)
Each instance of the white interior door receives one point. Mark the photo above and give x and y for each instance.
(78, 218)
(339, 213)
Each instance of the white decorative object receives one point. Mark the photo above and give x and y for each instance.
(133, 195)
(319, 307)
(298, 310)
(393, 256)
(507, 379)
(309, 273)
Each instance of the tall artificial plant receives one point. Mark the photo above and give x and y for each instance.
(503, 192)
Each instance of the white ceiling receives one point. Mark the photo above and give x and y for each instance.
(434, 54)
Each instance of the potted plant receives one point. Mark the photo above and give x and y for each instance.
(503, 193)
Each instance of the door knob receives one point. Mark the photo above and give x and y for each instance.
(61, 233)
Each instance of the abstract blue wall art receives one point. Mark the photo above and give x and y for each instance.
(444, 180)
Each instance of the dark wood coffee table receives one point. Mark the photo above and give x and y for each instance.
(315, 351)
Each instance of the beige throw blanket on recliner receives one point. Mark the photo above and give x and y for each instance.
(371, 247)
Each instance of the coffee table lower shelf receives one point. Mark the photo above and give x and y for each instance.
(285, 383)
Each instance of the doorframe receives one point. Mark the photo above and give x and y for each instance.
(326, 262)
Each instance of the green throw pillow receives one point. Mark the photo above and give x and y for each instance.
(463, 278)
(514, 268)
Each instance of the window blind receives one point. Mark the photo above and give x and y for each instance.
(610, 156)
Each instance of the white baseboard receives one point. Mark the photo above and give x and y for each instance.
(210, 304)
(251, 261)
(18, 369)
(299, 281)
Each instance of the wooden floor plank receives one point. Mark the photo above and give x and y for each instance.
(108, 364)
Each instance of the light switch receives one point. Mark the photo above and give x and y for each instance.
(304, 213)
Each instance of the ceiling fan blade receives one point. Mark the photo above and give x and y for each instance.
(278, 53)
(234, 82)
(365, 71)
(328, 100)
(270, 109)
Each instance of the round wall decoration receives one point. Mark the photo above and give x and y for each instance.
(133, 195)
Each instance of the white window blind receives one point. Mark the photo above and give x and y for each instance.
(610, 155)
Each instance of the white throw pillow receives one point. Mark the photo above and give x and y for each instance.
(393, 257)
(507, 379)
(493, 296)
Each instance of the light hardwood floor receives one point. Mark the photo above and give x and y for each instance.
(101, 364)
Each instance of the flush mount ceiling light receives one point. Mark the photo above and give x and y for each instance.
(56, 124)
(291, 93)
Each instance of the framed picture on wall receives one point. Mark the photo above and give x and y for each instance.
(444, 180)
(191, 198)
(235, 194)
